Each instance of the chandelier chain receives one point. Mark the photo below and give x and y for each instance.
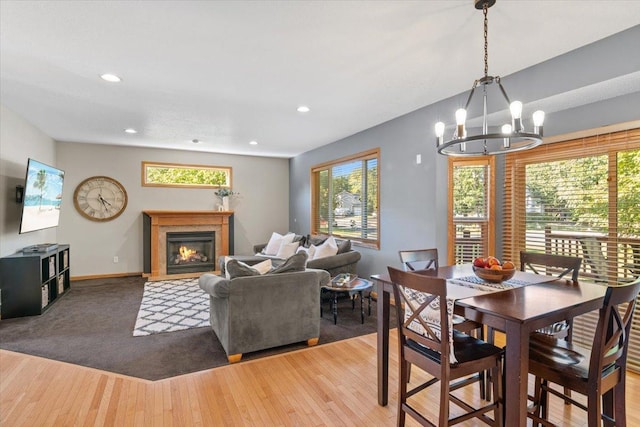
(485, 10)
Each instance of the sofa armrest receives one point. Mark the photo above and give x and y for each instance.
(216, 286)
(323, 276)
(336, 264)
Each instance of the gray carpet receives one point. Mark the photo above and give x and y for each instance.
(92, 326)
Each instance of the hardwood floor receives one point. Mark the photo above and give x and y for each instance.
(332, 384)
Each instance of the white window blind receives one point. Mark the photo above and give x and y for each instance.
(580, 198)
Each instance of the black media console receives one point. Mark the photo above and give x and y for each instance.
(31, 281)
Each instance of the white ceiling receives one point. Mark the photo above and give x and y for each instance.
(228, 72)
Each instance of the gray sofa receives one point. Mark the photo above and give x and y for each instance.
(344, 262)
(258, 312)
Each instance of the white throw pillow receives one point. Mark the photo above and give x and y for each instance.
(328, 248)
(226, 271)
(263, 267)
(276, 241)
(287, 249)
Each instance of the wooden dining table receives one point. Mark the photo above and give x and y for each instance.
(517, 311)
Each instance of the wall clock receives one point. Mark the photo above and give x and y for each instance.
(100, 198)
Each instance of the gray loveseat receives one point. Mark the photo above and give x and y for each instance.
(258, 312)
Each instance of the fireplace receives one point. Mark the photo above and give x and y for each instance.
(156, 225)
(190, 252)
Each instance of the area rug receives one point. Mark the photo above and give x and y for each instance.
(172, 305)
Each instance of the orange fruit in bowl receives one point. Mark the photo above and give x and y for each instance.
(491, 261)
(496, 267)
(508, 265)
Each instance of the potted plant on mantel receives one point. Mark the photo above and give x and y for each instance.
(225, 194)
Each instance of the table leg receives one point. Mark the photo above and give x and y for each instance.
(361, 308)
(335, 308)
(383, 344)
(516, 375)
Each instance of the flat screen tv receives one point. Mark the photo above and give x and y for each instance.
(42, 197)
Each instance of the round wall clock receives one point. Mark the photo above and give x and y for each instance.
(100, 198)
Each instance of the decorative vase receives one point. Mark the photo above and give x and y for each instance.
(225, 203)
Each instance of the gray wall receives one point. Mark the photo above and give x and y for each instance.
(261, 207)
(413, 197)
(19, 140)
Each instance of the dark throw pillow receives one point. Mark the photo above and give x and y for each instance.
(236, 268)
(315, 240)
(344, 246)
(295, 262)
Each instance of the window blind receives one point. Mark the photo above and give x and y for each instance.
(345, 198)
(471, 201)
(580, 198)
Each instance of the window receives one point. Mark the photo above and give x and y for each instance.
(178, 175)
(345, 198)
(471, 204)
(580, 198)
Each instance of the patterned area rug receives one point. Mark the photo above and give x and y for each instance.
(172, 305)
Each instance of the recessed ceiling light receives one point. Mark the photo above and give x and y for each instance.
(130, 130)
(253, 142)
(303, 109)
(195, 141)
(111, 78)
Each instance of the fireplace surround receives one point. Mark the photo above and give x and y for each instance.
(156, 226)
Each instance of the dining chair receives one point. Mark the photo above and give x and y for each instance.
(558, 266)
(419, 259)
(422, 260)
(454, 359)
(598, 372)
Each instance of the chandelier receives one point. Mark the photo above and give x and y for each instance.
(500, 139)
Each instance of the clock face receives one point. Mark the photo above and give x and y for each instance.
(100, 198)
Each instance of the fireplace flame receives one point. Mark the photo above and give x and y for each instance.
(186, 253)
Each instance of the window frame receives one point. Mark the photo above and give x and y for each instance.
(228, 170)
(489, 240)
(314, 182)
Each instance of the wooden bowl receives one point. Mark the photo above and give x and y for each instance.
(494, 276)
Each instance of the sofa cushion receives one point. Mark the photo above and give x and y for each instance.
(287, 249)
(315, 240)
(344, 246)
(276, 241)
(296, 262)
(236, 268)
(328, 248)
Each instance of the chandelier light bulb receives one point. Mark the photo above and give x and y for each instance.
(516, 116)
(439, 133)
(516, 109)
(506, 130)
(461, 116)
(538, 120)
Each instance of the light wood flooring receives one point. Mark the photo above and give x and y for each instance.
(328, 385)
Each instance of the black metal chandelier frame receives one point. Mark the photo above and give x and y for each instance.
(511, 138)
